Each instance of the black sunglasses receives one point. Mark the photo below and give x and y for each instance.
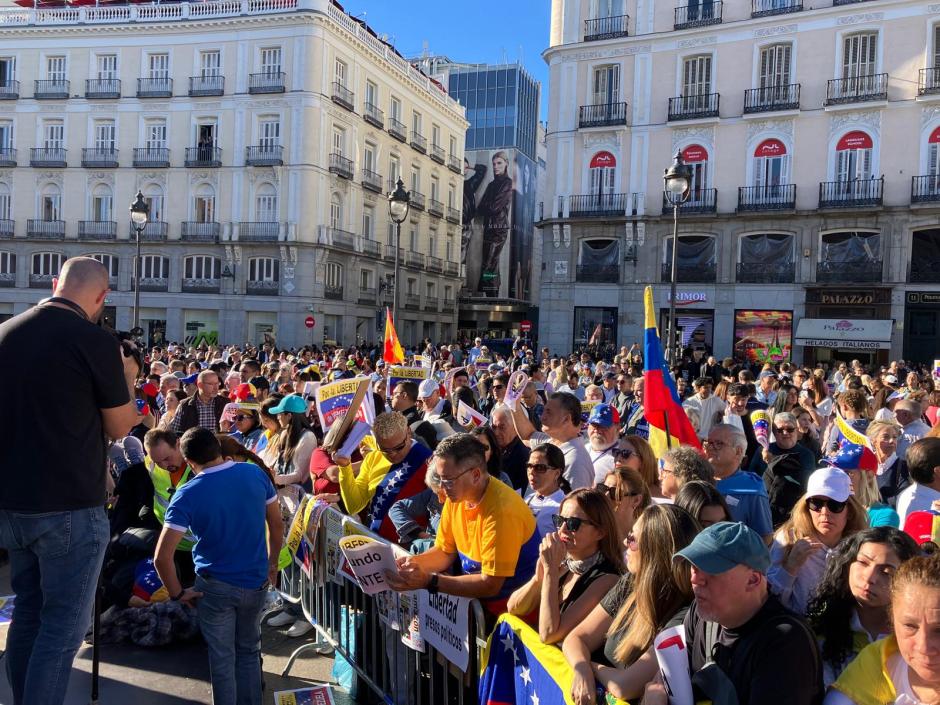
(396, 449)
(611, 492)
(538, 468)
(621, 453)
(570, 523)
(816, 504)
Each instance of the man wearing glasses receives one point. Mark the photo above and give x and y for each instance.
(485, 525)
(394, 471)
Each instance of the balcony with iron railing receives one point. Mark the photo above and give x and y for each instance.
(259, 232)
(151, 157)
(45, 229)
(413, 301)
(694, 107)
(332, 291)
(924, 270)
(390, 253)
(451, 269)
(191, 231)
(341, 166)
(370, 247)
(438, 154)
(40, 281)
(602, 115)
(102, 88)
(206, 86)
(97, 230)
(928, 81)
(99, 157)
(431, 303)
(342, 96)
(435, 208)
(418, 142)
(7, 156)
(154, 284)
(51, 89)
(6, 228)
(598, 274)
(772, 98)
(264, 287)
(597, 205)
(264, 155)
(435, 264)
(755, 199)
(397, 130)
(600, 28)
(414, 259)
(765, 273)
(154, 231)
(453, 215)
(698, 14)
(371, 180)
(837, 3)
(201, 286)
(203, 156)
(864, 272)
(340, 239)
(7, 279)
(925, 189)
(368, 295)
(266, 82)
(47, 157)
(373, 115)
(687, 274)
(766, 8)
(155, 87)
(701, 201)
(9, 89)
(859, 89)
(417, 200)
(855, 193)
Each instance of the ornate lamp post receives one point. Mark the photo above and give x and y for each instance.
(677, 182)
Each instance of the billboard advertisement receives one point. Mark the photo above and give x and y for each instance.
(498, 214)
(763, 336)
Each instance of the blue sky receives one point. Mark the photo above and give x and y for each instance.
(486, 31)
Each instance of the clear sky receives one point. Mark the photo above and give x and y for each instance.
(485, 31)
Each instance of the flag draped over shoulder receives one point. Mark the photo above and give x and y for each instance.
(518, 669)
(669, 425)
(393, 353)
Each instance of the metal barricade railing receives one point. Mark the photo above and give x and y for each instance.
(395, 672)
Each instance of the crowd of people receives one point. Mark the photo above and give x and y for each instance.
(795, 542)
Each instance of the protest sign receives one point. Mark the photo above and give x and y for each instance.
(410, 621)
(444, 625)
(673, 658)
(346, 401)
(468, 417)
(425, 362)
(517, 382)
(586, 407)
(314, 695)
(334, 556)
(400, 373)
(368, 560)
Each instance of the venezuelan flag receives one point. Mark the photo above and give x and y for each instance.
(518, 669)
(669, 425)
(393, 353)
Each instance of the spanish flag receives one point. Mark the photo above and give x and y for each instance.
(393, 353)
(669, 425)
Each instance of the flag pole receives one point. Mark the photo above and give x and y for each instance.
(666, 426)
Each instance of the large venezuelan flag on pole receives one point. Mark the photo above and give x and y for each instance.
(669, 425)
(518, 669)
(393, 353)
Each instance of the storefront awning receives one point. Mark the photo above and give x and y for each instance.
(844, 333)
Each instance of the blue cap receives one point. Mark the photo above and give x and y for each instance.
(191, 379)
(722, 546)
(292, 403)
(604, 415)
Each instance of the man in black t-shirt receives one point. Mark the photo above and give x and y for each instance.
(744, 647)
(53, 470)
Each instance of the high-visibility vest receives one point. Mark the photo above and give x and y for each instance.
(163, 490)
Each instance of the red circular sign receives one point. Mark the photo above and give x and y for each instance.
(854, 140)
(603, 160)
(694, 153)
(934, 136)
(525, 326)
(310, 321)
(770, 148)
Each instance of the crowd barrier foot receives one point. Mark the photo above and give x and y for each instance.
(320, 646)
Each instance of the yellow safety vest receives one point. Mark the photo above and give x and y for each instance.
(162, 493)
(866, 680)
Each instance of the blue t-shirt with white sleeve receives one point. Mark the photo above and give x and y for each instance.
(224, 507)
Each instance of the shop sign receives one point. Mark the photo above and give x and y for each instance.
(684, 298)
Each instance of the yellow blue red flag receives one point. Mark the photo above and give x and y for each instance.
(668, 422)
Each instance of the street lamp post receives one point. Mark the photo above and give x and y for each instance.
(140, 211)
(677, 181)
(398, 204)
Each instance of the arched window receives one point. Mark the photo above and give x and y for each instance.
(202, 267)
(599, 261)
(696, 157)
(766, 258)
(336, 212)
(696, 259)
(154, 267)
(603, 169)
(155, 198)
(849, 256)
(109, 261)
(50, 203)
(854, 156)
(334, 276)
(266, 207)
(263, 269)
(7, 268)
(204, 204)
(925, 256)
(101, 203)
(771, 164)
(45, 266)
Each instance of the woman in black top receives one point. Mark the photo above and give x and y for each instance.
(578, 564)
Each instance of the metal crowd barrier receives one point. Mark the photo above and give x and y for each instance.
(397, 674)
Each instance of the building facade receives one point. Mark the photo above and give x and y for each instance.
(264, 135)
(504, 157)
(811, 228)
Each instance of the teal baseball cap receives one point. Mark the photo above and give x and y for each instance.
(293, 403)
(722, 546)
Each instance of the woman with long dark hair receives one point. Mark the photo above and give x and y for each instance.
(294, 443)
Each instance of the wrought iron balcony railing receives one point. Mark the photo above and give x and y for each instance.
(155, 87)
(51, 89)
(766, 8)
(373, 115)
(200, 232)
(700, 201)
(859, 89)
(151, 157)
(771, 98)
(851, 194)
(206, 85)
(259, 232)
(371, 180)
(693, 107)
(154, 231)
(341, 166)
(602, 115)
(102, 88)
(97, 230)
(925, 189)
(9, 89)
(867, 272)
(599, 274)
(698, 14)
(343, 96)
(767, 198)
(397, 129)
(765, 273)
(99, 157)
(701, 274)
(600, 28)
(7, 156)
(264, 155)
(47, 157)
(597, 205)
(419, 142)
(45, 229)
(928, 81)
(266, 82)
(203, 156)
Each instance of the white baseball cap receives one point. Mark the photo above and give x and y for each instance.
(831, 483)
(427, 388)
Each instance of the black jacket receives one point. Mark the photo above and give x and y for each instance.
(423, 431)
(190, 414)
(893, 481)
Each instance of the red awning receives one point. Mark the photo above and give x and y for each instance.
(603, 160)
(854, 140)
(770, 148)
(694, 153)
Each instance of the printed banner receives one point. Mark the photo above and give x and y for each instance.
(368, 559)
(673, 658)
(425, 362)
(586, 408)
(517, 382)
(468, 417)
(400, 373)
(334, 400)
(445, 625)
(410, 621)
(315, 695)
(334, 556)
(297, 528)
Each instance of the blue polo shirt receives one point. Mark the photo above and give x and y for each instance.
(224, 507)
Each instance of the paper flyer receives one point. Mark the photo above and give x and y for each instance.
(517, 382)
(314, 695)
(410, 621)
(673, 657)
(468, 417)
(368, 560)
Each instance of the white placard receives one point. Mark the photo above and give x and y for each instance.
(444, 625)
(673, 657)
(368, 560)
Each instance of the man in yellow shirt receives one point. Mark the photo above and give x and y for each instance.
(484, 523)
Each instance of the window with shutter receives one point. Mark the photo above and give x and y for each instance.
(607, 84)
(159, 66)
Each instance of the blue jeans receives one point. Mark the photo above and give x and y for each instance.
(55, 559)
(230, 619)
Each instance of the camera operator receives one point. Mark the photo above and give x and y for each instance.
(66, 386)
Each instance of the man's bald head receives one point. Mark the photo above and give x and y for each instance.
(83, 280)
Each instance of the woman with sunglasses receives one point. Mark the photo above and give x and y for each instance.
(825, 515)
(611, 646)
(247, 426)
(624, 486)
(547, 485)
(851, 606)
(578, 564)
